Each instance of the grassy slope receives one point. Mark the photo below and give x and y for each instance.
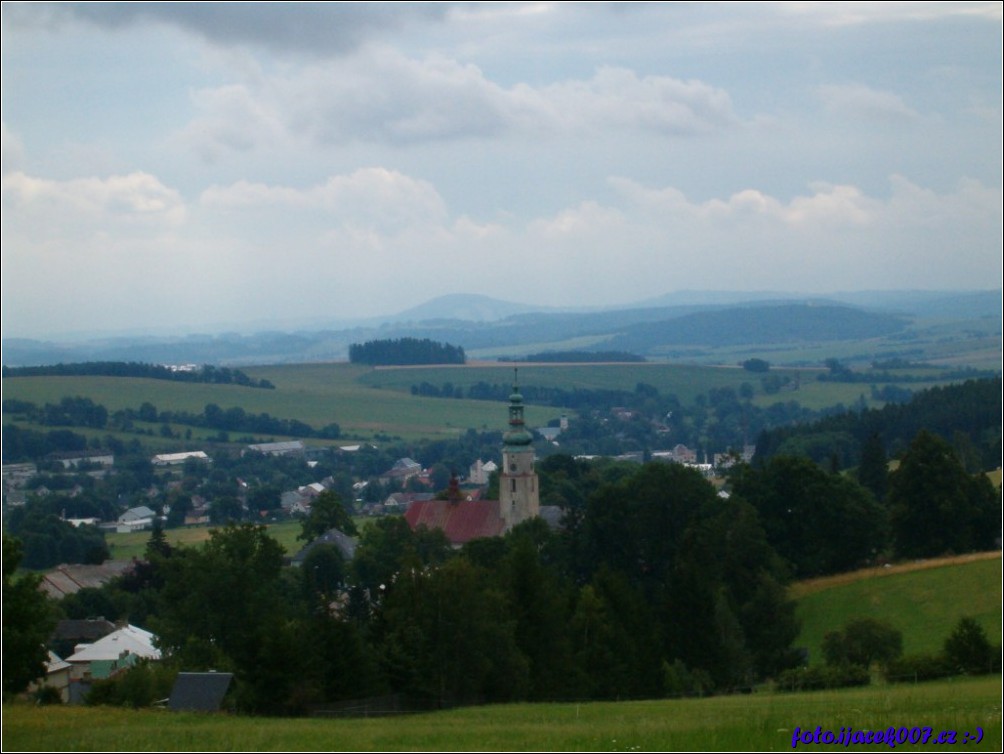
(924, 600)
(759, 722)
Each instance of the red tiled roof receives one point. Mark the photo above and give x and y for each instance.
(461, 521)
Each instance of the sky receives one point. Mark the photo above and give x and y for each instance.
(184, 167)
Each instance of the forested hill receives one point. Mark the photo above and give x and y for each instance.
(786, 323)
(967, 415)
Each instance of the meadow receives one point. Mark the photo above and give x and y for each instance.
(129, 545)
(924, 600)
(367, 402)
(763, 721)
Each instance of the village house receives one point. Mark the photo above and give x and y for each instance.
(108, 656)
(135, 519)
(402, 470)
(480, 472)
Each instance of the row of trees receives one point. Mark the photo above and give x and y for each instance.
(206, 373)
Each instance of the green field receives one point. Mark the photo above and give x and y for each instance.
(127, 545)
(366, 402)
(757, 722)
(924, 603)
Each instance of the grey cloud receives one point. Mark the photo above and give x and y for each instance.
(316, 28)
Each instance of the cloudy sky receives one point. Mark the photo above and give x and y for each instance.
(185, 166)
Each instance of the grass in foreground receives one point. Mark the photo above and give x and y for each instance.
(759, 722)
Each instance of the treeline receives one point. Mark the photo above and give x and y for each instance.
(22, 444)
(575, 357)
(838, 372)
(576, 398)
(405, 351)
(967, 415)
(206, 373)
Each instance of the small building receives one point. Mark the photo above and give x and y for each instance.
(112, 654)
(71, 633)
(480, 472)
(199, 692)
(177, 459)
(286, 448)
(57, 676)
(73, 460)
(402, 470)
(70, 579)
(135, 519)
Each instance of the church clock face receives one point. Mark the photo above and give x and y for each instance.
(512, 467)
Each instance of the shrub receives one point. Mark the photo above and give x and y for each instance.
(139, 686)
(918, 667)
(862, 642)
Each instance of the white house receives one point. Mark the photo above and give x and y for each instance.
(479, 472)
(117, 651)
(135, 519)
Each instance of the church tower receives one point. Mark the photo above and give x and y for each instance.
(519, 492)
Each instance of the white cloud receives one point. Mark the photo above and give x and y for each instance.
(136, 197)
(374, 197)
(860, 101)
(381, 96)
(864, 12)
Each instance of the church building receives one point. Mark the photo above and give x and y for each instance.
(519, 491)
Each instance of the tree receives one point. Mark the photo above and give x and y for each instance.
(873, 469)
(450, 639)
(326, 513)
(820, 522)
(968, 650)
(27, 622)
(224, 607)
(862, 642)
(936, 507)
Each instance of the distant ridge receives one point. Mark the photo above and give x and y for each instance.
(486, 327)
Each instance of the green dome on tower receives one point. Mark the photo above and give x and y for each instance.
(517, 434)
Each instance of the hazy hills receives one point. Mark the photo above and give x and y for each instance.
(491, 328)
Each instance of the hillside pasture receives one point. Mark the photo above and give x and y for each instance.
(756, 722)
(924, 600)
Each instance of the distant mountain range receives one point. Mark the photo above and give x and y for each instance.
(490, 328)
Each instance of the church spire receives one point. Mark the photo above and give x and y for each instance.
(517, 436)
